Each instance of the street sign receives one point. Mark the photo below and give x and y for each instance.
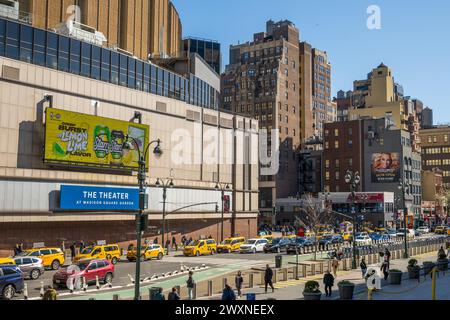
(37, 245)
(101, 242)
(87, 198)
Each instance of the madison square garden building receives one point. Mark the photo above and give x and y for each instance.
(65, 108)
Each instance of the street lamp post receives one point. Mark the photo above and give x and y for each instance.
(404, 188)
(164, 184)
(127, 145)
(222, 188)
(353, 179)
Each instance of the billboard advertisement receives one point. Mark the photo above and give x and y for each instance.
(86, 140)
(385, 167)
(87, 198)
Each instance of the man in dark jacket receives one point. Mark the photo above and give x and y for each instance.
(174, 295)
(228, 293)
(73, 251)
(385, 269)
(268, 278)
(328, 281)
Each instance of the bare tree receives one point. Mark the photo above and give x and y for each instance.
(313, 214)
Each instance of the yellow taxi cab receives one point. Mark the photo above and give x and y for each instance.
(51, 257)
(320, 235)
(380, 230)
(347, 236)
(148, 251)
(441, 230)
(448, 231)
(200, 247)
(110, 252)
(230, 245)
(269, 238)
(7, 261)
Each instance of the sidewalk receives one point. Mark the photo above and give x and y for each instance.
(292, 289)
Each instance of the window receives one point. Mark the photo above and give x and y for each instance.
(337, 175)
(12, 40)
(75, 57)
(63, 53)
(336, 144)
(327, 176)
(139, 74)
(114, 68)
(350, 131)
(8, 271)
(95, 62)
(327, 164)
(434, 139)
(106, 64)
(2, 37)
(85, 59)
(350, 143)
(337, 163)
(327, 145)
(445, 137)
(336, 132)
(350, 162)
(26, 43)
(123, 70)
(153, 79)
(146, 77)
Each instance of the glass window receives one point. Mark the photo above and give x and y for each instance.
(86, 59)
(26, 43)
(114, 67)
(63, 54)
(106, 62)
(52, 50)
(95, 62)
(123, 70)
(12, 40)
(160, 80)
(131, 73)
(146, 84)
(166, 83)
(2, 37)
(171, 85)
(182, 95)
(75, 56)
(153, 79)
(139, 74)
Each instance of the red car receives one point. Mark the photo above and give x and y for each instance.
(89, 269)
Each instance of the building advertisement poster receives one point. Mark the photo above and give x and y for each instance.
(385, 167)
(86, 140)
(88, 198)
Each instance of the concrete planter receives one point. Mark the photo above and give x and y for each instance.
(346, 291)
(312, 296)
(395, 277)
(442, 264)
(427, 267)
(414, 272)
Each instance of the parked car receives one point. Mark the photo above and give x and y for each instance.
(423, 229)
(148, 252)
(11, 281)
(230, 245)
(7, 261)
(30, 266)
(253, 246)
(379, 236)
(298, 244)
(278, 245)
(441, 230)
(328, 240)
(200, 247)
(363, 240)
(110, 252)
(51, 257)
(89, 269)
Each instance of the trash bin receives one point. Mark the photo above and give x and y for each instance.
(278, 261)
(152, 292)
(251, 297)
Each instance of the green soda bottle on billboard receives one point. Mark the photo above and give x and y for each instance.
(102, 140)
(117, 140)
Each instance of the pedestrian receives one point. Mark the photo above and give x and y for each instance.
(441, 253)
(228, 293)
(335, 266)
(328, 281)
(73, 251)
(210, 237)
(16, 250)
(387, 255)
(155, 241)
(363, 266)
(190, 284)
(385, 269)
(63, 248)
(50, 294)
(268, 276)
(174, 295)
(21, 248)
(82, 246)
(167, 246)
(239, 280)
(159, 296)
(174, 244)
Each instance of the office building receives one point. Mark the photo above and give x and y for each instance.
(209, 50)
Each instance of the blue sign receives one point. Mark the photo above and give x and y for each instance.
(85, 198)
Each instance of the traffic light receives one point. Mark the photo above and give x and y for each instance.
(143, 223)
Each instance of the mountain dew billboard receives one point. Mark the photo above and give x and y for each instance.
(86, 140)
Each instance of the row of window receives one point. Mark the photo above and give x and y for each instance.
(434, 139)
(435, 150)
(48, 49)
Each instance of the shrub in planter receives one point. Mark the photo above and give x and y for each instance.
(395, 276)
(312, 291)
(428, 266)
(413, 269)
(346, 289)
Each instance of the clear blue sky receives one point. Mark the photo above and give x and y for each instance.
(414, 39)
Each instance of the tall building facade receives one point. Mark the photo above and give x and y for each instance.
(209, 50)
(40, 81)
(262, 81)
(141, 27)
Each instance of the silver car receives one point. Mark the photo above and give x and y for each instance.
(30, 266)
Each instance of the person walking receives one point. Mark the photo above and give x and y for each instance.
(159, 296)
(328, 281)
(228, 293)
(387, 256)
(16, 250)
(174, 295)
(190, 284)
(268, 276)
(50, 294)
(363, 266)
(82, 246)
(385, 269)
(155, 241)
(73, 251)
(239, 280)
(335, 266)
(168, 246)
(63, 248)
(174, 244)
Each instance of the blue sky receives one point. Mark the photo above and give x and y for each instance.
(414, 39)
